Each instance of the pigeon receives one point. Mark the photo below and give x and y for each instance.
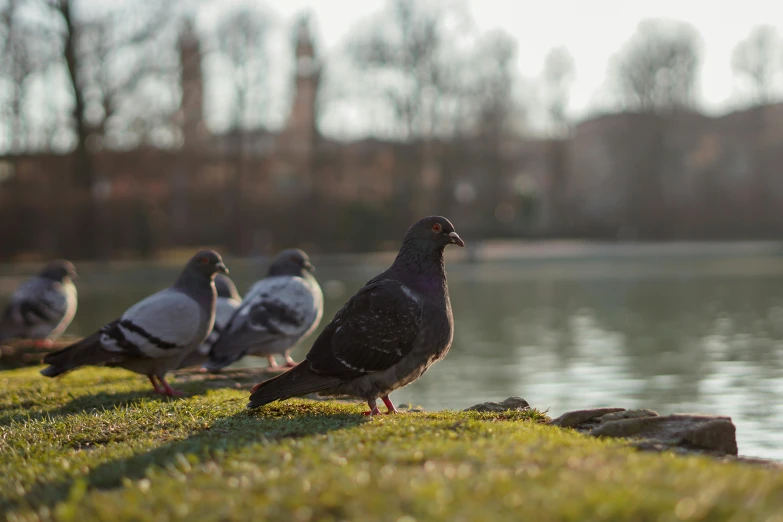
(387, 335)
(155, 334)
(277, 312)
(228, 300)
(43, 306)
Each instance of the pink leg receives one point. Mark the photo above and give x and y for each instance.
(373, 408)
(43, 343)
(289, 361)
(155, 387)
(168, 390)
(389, 406)
(272, 363)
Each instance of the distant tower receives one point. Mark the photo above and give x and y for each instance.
(191, 115)
(297, 141)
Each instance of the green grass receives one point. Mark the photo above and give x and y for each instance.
(96, 445)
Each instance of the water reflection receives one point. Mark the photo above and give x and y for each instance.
(569, 337)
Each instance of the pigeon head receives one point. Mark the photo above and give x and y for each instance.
(59, 270)
(291, 262)
(206, 264)
(434, 231)
(225, 287)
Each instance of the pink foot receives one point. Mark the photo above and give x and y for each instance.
(389, 406)
(154, 384)
(289, 362)
(273, 366)
(43, 343)
(168, 390)
(373, 408)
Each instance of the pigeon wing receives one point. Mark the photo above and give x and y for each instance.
(276, 309)
(373, 331)
(158, 326)
(37, 303)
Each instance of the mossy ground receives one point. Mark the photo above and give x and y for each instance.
(97, 445)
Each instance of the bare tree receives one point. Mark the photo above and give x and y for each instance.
(655, 73)
(107, 52)
(757, 61)
(23, 57)
(657, 70)
(242, 43)
(556, 81)
(498, 114)
(492, 93)
(410, 57)
(408, 54)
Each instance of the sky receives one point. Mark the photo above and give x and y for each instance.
(591, 30)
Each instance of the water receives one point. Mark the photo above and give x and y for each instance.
(675, 334)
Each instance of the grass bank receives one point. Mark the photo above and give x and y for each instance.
(96, 445)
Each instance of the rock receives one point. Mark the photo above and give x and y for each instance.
(628, 414)
(573, 419)
(649, 431)
(413, 408)
(512, 403)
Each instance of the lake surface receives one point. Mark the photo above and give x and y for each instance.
(700, 331)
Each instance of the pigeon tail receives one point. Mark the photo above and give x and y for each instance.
(296, 382)
(84, 352)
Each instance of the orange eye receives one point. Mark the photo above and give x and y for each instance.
(436, 227)
(204, 260)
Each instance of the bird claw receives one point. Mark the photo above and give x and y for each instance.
(171, 392)
(289, 361)
(371, 413)
(165, 388)
(390, 409)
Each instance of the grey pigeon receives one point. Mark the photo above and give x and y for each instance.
(277, 312)
(153, 336)
(228, 300)
(43, 306)
(387, 335)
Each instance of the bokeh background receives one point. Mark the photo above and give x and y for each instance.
(130, 128)
(614, 167)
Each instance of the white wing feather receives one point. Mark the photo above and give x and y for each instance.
(275, 313)
(160, 325)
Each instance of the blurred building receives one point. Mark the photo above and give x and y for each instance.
(685, 174)
(632, 175)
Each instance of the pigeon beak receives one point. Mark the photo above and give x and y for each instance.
(309, 266)
(222, 268)
(455, 239)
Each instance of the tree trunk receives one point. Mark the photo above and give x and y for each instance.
(84, 175)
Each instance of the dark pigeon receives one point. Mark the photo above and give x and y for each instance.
(277, 312)
(153, 336)
(43, 306)
(228, 300)
(387, 335)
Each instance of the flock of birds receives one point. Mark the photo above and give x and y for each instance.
(385, 337)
